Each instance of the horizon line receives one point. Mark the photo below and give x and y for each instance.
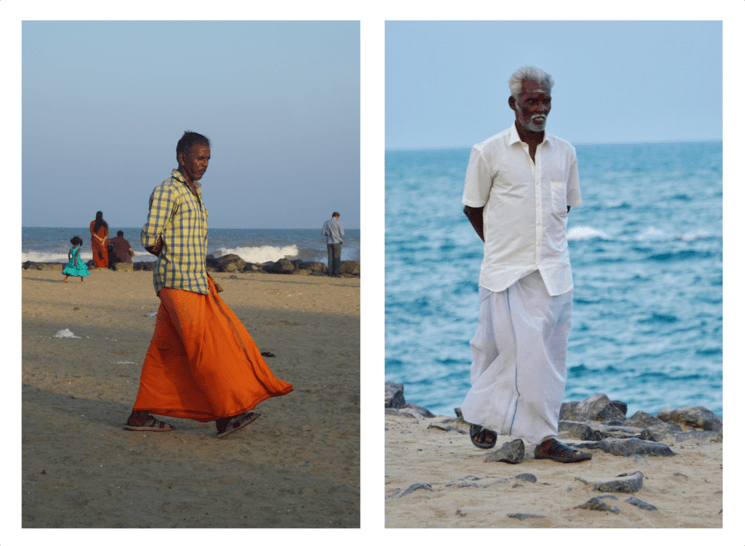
(577, 144)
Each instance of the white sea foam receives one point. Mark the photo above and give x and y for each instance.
(259, 254)
(581, 233)
(52, 256)
(652, 234)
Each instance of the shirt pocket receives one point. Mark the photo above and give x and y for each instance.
(559, 198)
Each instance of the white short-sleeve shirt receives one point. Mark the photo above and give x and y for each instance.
(525, 208)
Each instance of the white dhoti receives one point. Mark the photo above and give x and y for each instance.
(519, 351)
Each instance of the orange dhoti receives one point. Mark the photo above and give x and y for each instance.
(202, 363)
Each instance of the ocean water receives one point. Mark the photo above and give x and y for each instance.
(646, 252)
(252, 245)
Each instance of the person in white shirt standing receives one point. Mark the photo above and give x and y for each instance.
(520, 185)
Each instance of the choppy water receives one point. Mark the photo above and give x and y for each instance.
(646, 252)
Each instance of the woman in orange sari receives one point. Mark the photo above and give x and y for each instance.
(99, 239)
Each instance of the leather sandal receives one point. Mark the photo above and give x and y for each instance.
(483, 438)
(561, 453)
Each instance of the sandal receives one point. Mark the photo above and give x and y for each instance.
(151, 425)
(237, 423)
(561, 453)
(483, 437)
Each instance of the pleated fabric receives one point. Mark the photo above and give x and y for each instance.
(202, 363)
(518, 372)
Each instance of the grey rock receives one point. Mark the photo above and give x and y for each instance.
(447, 428)
(302, 272)
(458, 512)
(630, 446)
(522, 517)
(283, 266)
(693, 417)
(415, 487)
(699, 436)
(641, 504)
(350, 267)
(417, 410)
(526, 477)
(122, 266)
(394, 411)
(582, 431)
(44, 266)
(410, 410)
(470, 481)
(596, 504)
(642, 419)
(621, 484)
(394, 395)
(620, 406)
(511, 452)
(595, 408)
(144, 266)
(314, 266)
(514, 485)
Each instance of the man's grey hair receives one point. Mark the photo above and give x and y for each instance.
(529, 73)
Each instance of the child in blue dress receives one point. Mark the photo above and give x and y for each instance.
(75, 267)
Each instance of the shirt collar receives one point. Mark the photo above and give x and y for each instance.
(175, 173)
(515, 136)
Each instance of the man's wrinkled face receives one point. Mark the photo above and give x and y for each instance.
(532, 106)
(194, 162)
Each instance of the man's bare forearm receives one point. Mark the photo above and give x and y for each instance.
(476, 217)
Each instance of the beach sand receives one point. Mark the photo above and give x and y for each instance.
(297, 466)
(467, 492)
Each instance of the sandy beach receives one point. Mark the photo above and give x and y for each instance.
(460, 490)
(297, 466)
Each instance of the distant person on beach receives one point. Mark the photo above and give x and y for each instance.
(202, 364)
(99, 235)
(334, 231)
(519, 187)
(75, 266)
(121, 250)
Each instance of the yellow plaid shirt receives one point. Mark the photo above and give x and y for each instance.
(180, 218)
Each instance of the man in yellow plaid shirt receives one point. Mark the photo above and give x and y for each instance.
(202, 363)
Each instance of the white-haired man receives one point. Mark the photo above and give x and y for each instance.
(520, 185)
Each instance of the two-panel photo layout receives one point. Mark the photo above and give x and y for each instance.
(192, 205)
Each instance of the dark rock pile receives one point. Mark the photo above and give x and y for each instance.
(228, 263)
(600, 423)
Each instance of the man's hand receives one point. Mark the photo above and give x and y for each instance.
(157, 248)
(476, 217)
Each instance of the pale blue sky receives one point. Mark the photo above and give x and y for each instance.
(104, 104)
(615, 81)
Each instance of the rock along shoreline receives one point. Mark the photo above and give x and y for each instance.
(230, 263)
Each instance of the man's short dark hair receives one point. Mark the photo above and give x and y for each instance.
(120, 233)
(190, 139)
(335, 215)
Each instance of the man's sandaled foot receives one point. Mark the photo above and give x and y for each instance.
(561, 453)
(151, 425)
(236, 423)
(483, 437)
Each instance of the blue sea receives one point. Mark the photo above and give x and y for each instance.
(646, 252)
(252, 245)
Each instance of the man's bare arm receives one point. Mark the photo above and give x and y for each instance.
(476, 217)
